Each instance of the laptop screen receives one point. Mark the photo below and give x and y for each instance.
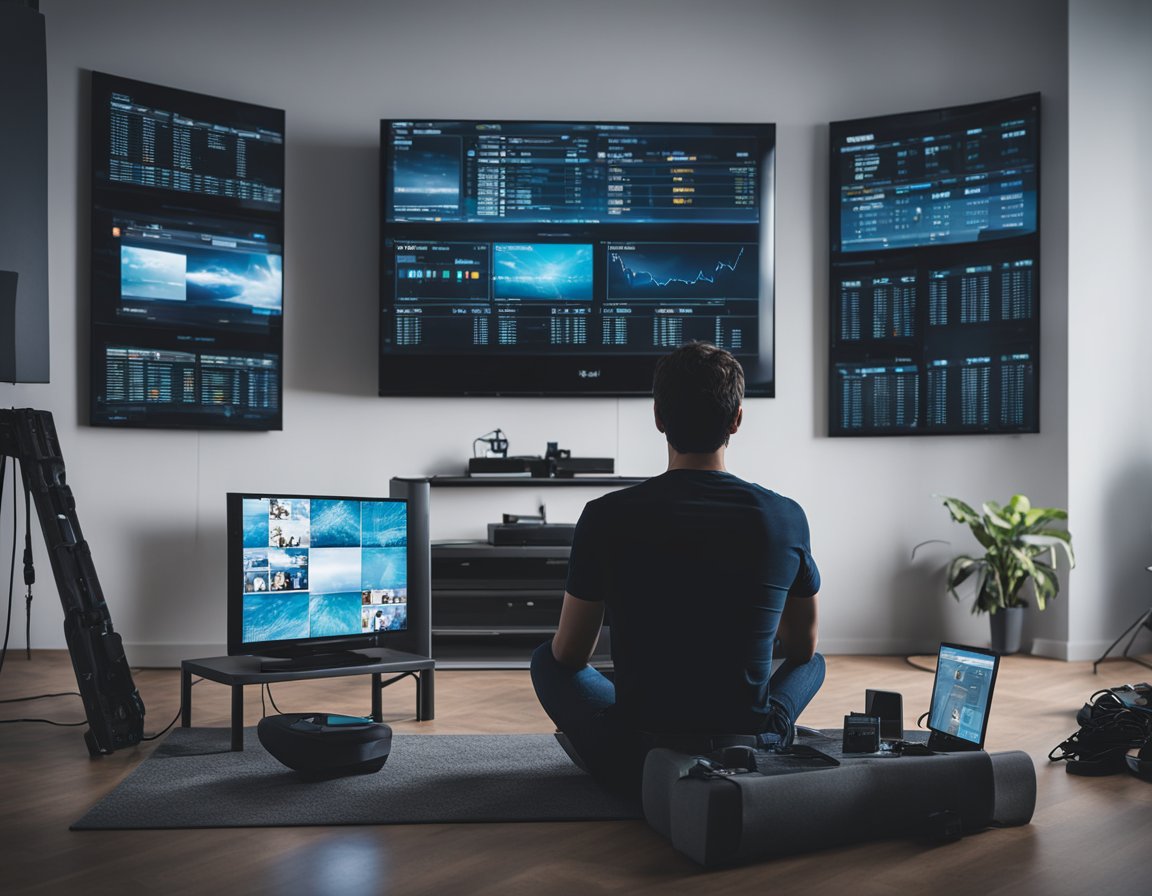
(962, 694)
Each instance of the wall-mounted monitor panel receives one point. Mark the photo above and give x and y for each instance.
(187, 285)
(935, 272)
(564, 258)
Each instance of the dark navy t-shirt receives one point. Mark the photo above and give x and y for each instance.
(694, 567)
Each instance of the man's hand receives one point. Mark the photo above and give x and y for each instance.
(579, 629)
(797, 632)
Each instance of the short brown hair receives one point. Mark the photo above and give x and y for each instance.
(698, 389)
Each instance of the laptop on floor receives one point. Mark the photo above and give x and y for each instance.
(961, 698)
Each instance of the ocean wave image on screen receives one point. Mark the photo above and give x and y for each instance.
(552, 272)
(385, 569)
(334, 614)
(385, 524)
(275, 617)
(333, 570)
(286, 558)
(152, 275)
(335, 524)
(256, 558)
(255, 514)
(252, 279)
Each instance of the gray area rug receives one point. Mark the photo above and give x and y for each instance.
(192, 780)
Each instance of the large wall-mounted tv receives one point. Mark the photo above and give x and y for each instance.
(187, 280)
(935, 272)
(564, 258)
(316, 575)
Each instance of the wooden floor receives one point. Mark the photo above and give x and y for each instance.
(1089, 835)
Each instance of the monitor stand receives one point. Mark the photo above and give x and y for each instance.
(304, 661)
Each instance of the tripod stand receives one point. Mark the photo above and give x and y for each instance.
(113, 706)
(1143, 621)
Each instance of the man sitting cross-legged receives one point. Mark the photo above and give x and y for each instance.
(701, 575)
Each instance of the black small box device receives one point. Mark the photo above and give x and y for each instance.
(861, 733)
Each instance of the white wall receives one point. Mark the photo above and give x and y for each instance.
(151, 503)
(1110, 317)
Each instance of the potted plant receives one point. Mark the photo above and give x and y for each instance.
(1020, 546)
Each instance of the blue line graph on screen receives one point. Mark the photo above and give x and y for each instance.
(661, 271)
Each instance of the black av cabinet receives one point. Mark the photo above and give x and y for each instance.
(491, 605)
(479, 587)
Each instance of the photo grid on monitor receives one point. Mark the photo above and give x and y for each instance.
(318, 569)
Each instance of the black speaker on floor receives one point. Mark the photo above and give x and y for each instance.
(320, 744)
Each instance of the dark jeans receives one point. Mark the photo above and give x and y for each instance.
(579, 701)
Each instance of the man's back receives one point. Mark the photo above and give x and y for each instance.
(695, 567)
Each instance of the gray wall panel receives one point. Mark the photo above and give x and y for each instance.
(24, 188)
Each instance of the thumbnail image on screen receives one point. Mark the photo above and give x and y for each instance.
(187, 282)
(934, 272)
(553, 258)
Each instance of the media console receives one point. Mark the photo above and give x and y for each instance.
(491, 605)
(238, 671)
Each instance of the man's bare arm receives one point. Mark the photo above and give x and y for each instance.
(579, 629)
(798, 629)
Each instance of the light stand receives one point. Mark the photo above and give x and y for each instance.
(1143, 621)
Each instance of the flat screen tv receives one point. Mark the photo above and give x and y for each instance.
(563, 258)
(315, 578)
(935, 272)
(187, 259)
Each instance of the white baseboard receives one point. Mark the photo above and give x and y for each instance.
(169, 656)
(1072, 651)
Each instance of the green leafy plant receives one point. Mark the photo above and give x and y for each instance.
(1020, 545)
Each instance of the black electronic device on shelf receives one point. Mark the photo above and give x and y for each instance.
(535, 467)
(522, 529)
(564, 467)
(529, 534)
(583, 466)
(557, 463)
